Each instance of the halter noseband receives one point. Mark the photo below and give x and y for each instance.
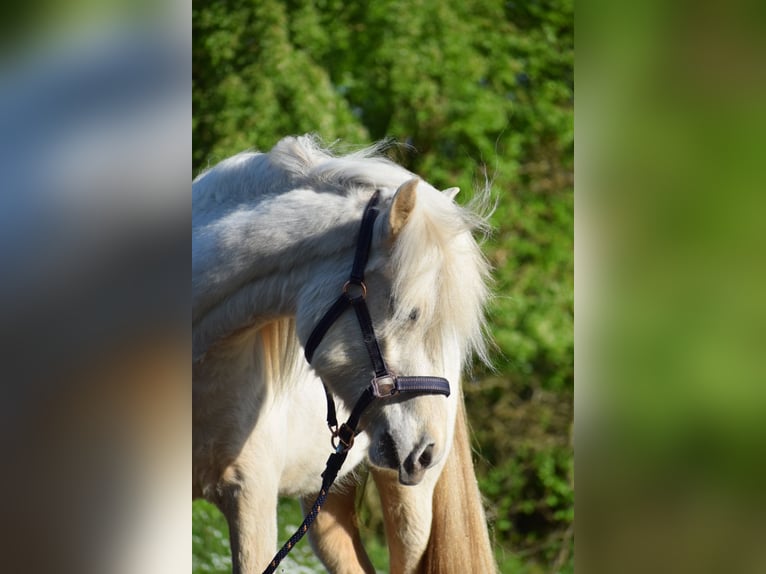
(383, 383)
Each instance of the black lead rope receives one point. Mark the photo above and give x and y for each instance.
(384, 383)
(328, 477)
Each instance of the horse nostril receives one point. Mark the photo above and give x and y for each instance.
(426, 456)
(415, 465)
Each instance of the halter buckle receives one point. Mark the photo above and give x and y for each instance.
(384, 386)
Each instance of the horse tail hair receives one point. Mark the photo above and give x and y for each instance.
(459, 540)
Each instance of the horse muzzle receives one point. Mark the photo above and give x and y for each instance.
(410, 459)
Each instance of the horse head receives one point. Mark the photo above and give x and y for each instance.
(424, 289)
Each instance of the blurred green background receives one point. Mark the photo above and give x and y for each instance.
(479, 90)
(671, 111)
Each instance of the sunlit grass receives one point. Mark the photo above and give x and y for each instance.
(210, 541)
(210, 545)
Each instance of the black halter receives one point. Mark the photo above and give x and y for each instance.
(383, 382)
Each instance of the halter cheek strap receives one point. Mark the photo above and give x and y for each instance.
(355, 290)
(383, 382)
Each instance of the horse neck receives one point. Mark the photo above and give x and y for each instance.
(249, 264)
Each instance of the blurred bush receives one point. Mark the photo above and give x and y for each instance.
(480, 91)
(94, 246)
(670, 410)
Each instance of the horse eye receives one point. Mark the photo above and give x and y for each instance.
(414, 315)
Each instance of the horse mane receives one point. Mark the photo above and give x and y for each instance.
(438, 267)
(436, 264)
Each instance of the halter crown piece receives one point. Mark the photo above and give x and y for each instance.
(383, 382)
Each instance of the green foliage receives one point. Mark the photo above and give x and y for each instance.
(479, 90)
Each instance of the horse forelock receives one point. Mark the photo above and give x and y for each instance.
(440, 271)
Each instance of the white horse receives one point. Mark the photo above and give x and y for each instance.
(274, 236)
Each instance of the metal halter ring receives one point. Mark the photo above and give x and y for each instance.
(361, 284)
(337, 441)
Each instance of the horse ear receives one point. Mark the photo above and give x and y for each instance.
(402, 205)
(451, 192)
